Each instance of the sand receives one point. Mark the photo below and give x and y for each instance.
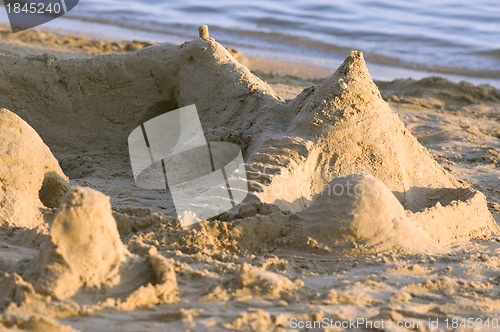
(31, 176)
(358, 208)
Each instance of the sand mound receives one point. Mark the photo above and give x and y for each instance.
(15, 291)
(435, 89)
(164, 290)
(30, 177)
(360, 210)
(84, 250)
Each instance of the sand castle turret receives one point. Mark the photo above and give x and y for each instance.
(341, 127)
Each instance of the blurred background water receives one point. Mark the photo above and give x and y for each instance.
(453, 38)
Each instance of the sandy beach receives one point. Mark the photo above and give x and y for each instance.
(82, 248)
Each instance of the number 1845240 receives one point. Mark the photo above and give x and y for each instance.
(471, 323)
(34, 8)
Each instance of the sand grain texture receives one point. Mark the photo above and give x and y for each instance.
(349, 215)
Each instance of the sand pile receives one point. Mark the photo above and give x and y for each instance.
(85, 253)
(30, 176)
(84, 248)
(258, 282)
(36, 323)
(358, 213)
(456, 215)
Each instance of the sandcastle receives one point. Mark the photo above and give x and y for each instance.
(293, 149)
(298, 152)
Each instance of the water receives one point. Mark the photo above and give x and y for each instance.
(453, 38)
